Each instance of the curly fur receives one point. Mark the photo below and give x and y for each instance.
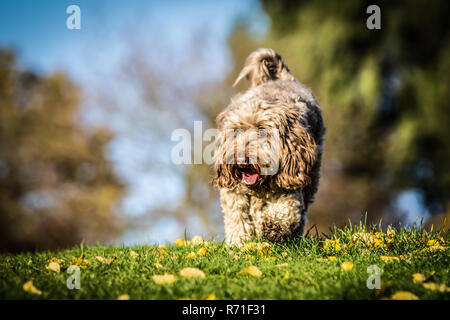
(274, 206)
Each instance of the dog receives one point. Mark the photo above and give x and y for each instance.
(268, 153)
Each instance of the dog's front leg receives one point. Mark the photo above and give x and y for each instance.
(238, 224)
(283, 216)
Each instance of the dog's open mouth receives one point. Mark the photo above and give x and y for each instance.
(250, 178)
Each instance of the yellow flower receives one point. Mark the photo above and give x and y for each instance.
(436, 242)
(364, 237)
(332, 258)
(418, 277)
(346, 266)
(123, 297)
(251, 271)
(180, 242)
(133, 254)
(30, 262)
(431, 249)
(404, 295)
(389, 259)
(262, 248)
(212, 296)
(57, 260)
(332, 244)
(390, 232)
(197, 240)
(379, 235)
(30, 288)
(377, 243)
(105, 260)
(192, 273)
(436, 287)
(284, 254)
(164, 279)
(191, 255)
(202, 251)
(80, 261)
(282, 265)
(53, 266)
(431, 243)
(286, 275)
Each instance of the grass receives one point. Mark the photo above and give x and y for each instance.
(303, 268)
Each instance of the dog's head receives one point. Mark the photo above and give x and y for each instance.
(243, 155)
(265, 148)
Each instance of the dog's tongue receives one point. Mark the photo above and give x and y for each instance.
(250, 178)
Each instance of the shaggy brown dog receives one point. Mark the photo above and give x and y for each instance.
(268, 153)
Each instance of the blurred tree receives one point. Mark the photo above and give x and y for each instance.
(56, 187)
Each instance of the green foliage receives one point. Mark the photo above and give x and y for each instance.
(302, 268)
(56, 186)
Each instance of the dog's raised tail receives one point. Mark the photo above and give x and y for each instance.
(263, 65)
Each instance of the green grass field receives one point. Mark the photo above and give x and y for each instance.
(413, 265)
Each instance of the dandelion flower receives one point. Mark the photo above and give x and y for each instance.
(332, 258)
(346, 266)
(29, 287)
(197, 240)
(389, 259)
(53, 266)
(133, 253)
(192, 273)
(202, 251)
(436, 287)
(418, 277)
(164, 279)
(404, 295)
(251, 271)
(191, 255)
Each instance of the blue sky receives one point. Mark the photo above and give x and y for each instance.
(37, 28)
(166, 32)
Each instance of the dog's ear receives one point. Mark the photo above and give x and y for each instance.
(223, 176)
(223, 170)
(297, 158)
(245, 72)
(264, 65)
